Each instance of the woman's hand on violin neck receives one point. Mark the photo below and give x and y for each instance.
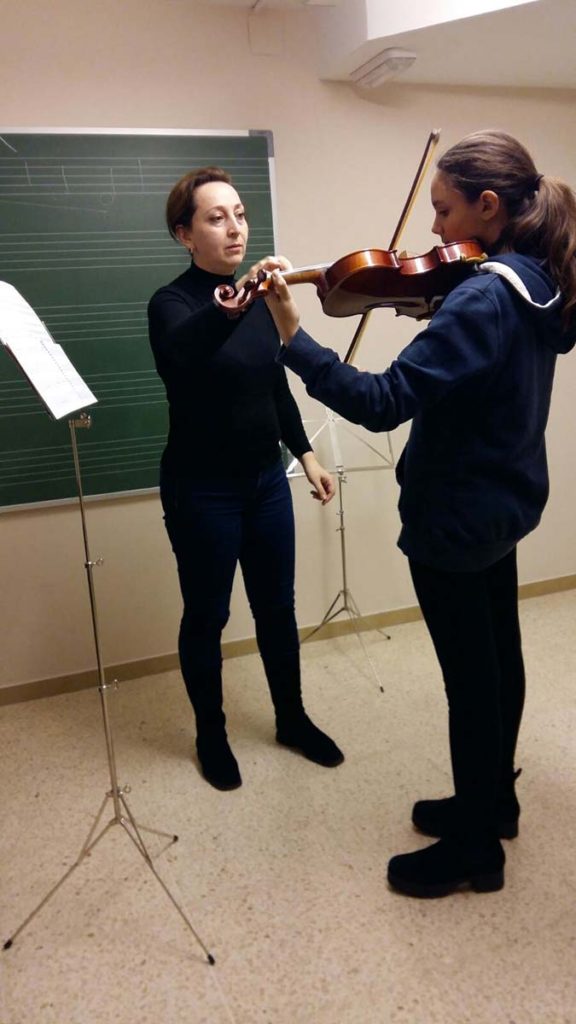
(268, 264)
(284, 310)
(322, 482)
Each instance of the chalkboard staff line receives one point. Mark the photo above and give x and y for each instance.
(137, 378)
(238, 160)
(99, 332)
(106, 405)
(100, 247)
(42, 473)
(134, 327)
(81, 254)
(89, 458)
(107, 261)
(86, 473)
(75, 247)
(117, 265)
(49, 245)
(149, 165)
(254, 178)
(103, 184)
(115, 237)
(106, 395)
(106, 391)
(102, 379)
(88, 235)
(97, 306)
(54, 265)
(11, 469)
(50, 191)
(63, 450)
(110, 176)
(93, 319)
(31, 406)
(107, 182)
(99, 335)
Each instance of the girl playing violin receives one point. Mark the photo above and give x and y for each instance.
(476, 383)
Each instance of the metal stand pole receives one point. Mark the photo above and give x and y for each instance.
(344, 601)
(121, 812)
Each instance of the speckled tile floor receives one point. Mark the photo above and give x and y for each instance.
(284, 879)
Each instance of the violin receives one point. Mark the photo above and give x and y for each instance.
(369, 279)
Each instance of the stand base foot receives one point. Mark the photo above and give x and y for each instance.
(349, 607)
(133, 831)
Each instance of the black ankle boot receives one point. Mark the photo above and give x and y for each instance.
(441, 817)
(447, 866)
(293, 727)
(218, 764)
(301, 734)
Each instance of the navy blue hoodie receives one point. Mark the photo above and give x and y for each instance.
(476, 384)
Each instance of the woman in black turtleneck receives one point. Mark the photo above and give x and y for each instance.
(223, 487)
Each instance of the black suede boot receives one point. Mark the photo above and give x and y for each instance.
(293, 727)
(447, 866)
(441, 817)
(218, 764)
(301, 734)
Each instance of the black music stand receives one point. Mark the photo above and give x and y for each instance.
(62, 391)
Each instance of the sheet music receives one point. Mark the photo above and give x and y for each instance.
(45, 363)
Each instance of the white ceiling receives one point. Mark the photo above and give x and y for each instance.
(532, 45)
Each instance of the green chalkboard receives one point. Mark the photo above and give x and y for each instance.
(83, 239)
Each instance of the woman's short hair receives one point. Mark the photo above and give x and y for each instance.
(181, 204)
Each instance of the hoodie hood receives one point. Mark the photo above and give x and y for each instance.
(526, 276)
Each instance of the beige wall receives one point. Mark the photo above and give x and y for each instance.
(343, 168)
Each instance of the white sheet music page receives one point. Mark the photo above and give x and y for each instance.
(45, 363)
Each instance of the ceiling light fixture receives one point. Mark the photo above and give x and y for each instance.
(385, 65)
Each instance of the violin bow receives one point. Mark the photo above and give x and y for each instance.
(415, 188)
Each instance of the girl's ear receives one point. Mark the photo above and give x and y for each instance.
(490, 205)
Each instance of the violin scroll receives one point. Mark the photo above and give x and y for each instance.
(235, 301)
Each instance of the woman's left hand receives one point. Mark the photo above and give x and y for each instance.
(268, 263)
(319, 477)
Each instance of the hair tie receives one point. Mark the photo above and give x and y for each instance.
(537, 180)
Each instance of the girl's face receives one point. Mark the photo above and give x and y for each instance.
(458, 219)
(218, 232)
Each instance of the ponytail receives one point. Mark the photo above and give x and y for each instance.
(547, 228)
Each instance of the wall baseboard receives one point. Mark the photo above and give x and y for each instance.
(236, 648)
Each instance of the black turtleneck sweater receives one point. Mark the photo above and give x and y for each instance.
(229, 400)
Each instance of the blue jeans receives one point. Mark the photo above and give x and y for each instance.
(214, 523)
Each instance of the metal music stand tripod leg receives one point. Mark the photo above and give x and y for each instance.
(344, 601)
(121, 812)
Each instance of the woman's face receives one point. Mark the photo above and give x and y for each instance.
(458, 219)
(218, 233)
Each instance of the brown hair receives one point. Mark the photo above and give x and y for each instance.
(542, 210)
(181, 204)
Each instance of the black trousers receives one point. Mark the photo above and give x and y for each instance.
(472, 618)
(214, 524)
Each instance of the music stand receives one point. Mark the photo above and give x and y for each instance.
(62, 391)
(344, 602)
